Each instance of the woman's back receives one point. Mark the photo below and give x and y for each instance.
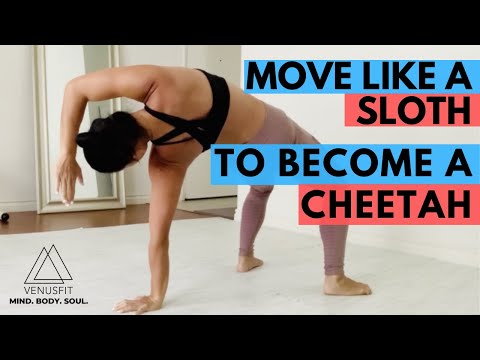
(189, 96)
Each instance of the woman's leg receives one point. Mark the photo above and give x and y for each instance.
(334, 239)
(280, 129)
(253, 214)
(277, 129)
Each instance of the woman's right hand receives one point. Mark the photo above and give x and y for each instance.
(68, 171)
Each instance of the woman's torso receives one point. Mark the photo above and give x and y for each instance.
(189, 96)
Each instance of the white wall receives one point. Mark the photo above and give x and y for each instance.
(17, 152)
(323, 116)
(17, 149)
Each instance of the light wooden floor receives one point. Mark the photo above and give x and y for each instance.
(110, 264)
(28, 222)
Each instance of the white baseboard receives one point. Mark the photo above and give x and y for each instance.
(207, 204)
(18, 206)
(138, 199)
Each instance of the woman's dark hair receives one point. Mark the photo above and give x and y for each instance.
(109, 145)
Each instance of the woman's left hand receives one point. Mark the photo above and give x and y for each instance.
(139, 305)
(68, 171)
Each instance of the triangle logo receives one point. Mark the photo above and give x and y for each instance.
(49, 268)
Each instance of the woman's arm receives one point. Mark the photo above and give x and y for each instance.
(166, 182)
(134, 82)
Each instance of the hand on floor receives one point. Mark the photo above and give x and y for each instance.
(139, 306)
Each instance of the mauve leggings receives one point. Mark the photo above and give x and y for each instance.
(280, 129)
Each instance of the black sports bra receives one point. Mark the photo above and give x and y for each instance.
(205, 130)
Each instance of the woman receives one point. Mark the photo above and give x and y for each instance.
(186, 111)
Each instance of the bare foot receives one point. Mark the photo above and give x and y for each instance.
(342, 285)
(247, 263)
